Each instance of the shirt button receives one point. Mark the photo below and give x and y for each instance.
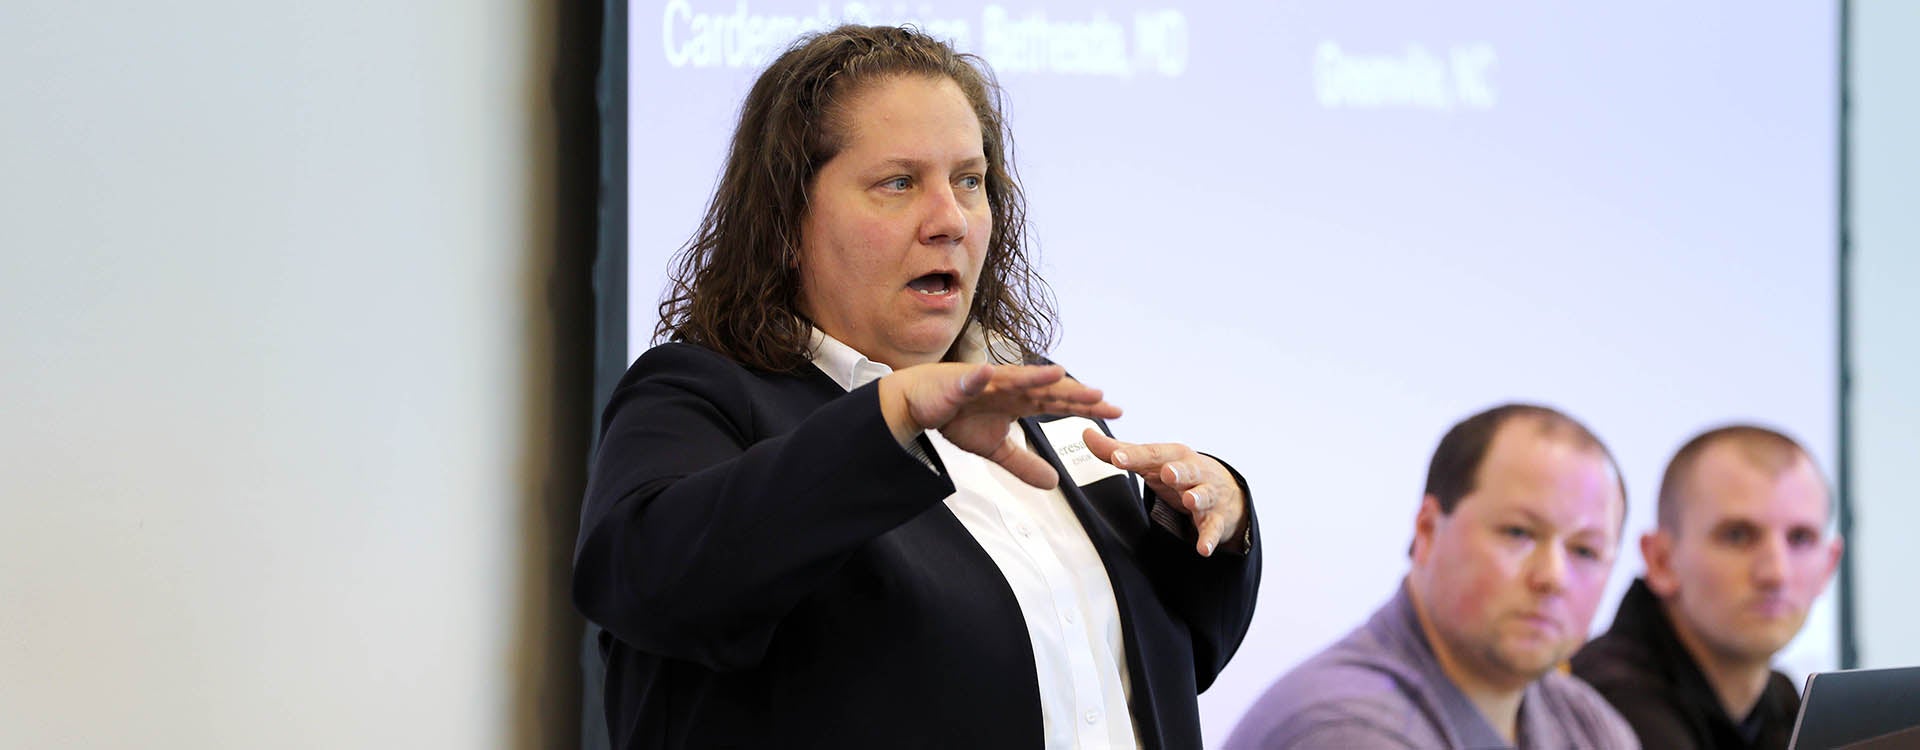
(1024, 530)
(1093, 717)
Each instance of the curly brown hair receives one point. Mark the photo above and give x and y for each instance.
(735, 284)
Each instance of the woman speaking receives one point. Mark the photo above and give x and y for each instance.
(848, 503)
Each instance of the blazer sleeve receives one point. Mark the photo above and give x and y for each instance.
(699, 534)
(1213, 595)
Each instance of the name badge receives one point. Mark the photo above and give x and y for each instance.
(1082, 467)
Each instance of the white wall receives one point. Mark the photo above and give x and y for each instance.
(1886, 336)
(275, 401)
(278, 454)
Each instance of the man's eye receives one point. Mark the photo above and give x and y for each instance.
(1736, 535)
(1803, 538)
(1515, 532)
(1586, 553)
(898, 183)
(971, 182)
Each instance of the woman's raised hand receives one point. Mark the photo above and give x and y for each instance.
(974, 405)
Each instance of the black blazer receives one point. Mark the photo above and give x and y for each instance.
(772, 570)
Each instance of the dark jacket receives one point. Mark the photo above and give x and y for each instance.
(772, 570)
(1646, 673)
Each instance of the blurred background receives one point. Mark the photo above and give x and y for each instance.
(300, 326)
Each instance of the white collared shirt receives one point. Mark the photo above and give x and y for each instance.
(1056, 575)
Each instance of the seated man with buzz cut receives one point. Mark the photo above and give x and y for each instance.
(1738, 556)
(1512, 546)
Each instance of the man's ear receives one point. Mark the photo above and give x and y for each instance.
(1835, 549)
(1425, 524)
(1656, 549)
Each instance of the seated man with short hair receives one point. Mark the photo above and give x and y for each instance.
(1738, 556)
(1512, 547)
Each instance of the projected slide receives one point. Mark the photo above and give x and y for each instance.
(1308, 236)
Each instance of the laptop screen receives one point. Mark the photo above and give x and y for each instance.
(1861, 709)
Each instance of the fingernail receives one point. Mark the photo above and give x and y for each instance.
(1178, 475)
(1209, 550)
(1120, 458)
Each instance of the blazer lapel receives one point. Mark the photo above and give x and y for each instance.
(1110, 508)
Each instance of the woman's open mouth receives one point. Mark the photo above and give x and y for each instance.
(934, 284)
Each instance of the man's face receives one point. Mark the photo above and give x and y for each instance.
(1509, 581)
(1749, 555)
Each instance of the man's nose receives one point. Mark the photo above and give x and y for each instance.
(1770, 562)
(1549, 568)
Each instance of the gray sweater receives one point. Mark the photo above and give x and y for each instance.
(1381, 687)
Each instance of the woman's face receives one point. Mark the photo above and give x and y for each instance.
(897, 223)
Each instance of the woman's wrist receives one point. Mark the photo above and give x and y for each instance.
(897, 412)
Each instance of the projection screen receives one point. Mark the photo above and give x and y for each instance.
(1309, 236)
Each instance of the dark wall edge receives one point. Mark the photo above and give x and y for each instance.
(1843, 471)
(609, 300)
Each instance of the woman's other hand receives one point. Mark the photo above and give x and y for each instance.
(1192, 482)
